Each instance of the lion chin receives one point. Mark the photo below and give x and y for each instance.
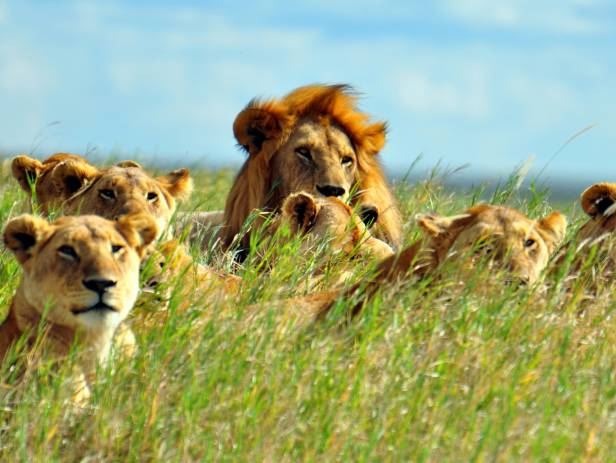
(80, 280)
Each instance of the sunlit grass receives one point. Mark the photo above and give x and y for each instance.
(461, 369)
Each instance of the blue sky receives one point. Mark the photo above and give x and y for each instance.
(490, 83)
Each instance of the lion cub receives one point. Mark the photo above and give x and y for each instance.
(80, 280)
(512, 241)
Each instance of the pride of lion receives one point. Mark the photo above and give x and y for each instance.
(312, 173)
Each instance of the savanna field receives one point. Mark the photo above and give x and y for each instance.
(458, 368)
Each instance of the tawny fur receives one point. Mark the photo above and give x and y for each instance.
(59, 261)
(344, 144)
(512, 241)
(74, 186)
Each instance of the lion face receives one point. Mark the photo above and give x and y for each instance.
(318, 159)
(316, 140)
(506, 237)
(72, 184)
(80, 272)
(329, 218)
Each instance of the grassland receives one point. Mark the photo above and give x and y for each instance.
(461, 369)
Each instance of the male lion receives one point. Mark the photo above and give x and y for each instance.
(314, 139)
(80, 280)
(511, 240)
(71, 183)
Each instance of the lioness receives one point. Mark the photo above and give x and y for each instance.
(314, 140)
(513, 241)
(599, 203)
(80, 280)
(321, 218)
(71, 183)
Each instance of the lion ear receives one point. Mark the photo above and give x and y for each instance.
(553, 229)
(435, 225)
(71, 176)
(599, 199)
(139, 230)
(128, 163)
(257, 124)
(178, 183)
(23, 233)
(373, 138)
(301, 209)
(26, 170)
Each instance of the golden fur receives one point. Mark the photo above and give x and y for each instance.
(314, 139)
(599, 203)
(320, 218)
(80, 280)
(72, 184)
(172, 268)
(511, 240)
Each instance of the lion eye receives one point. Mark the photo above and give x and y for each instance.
(347, 161)
(304, 154)
(68, 253)
(152, 196)
(107, 194)
(529, 242)
(116, 248)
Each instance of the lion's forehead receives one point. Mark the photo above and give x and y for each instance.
(320, 135)
(130, 179)
(90, 232)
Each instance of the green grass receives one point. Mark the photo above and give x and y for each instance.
(462, 369)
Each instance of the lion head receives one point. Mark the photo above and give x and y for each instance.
(315, 140)
(80, 273)
(320, 218)
(599, 203)
(506, 236)
(72, 184)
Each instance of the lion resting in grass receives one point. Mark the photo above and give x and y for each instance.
(80, 280)
(315, 140)
(592, 253)
(326, 218)
(70, 183)
(318, 220)
(505, 236)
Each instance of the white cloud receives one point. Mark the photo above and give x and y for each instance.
(434, 94)
(565, 16)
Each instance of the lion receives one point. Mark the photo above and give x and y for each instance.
(80, 280)
(509, 239)
(315, 140)
(70, 183)
(594, 244)
(599, 203)
(174, 273)
(318, 219)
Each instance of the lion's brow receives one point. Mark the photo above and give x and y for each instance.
(48, 240)
(95, 232)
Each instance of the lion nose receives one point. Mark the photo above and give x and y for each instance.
(98, 286)
(331, 190)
